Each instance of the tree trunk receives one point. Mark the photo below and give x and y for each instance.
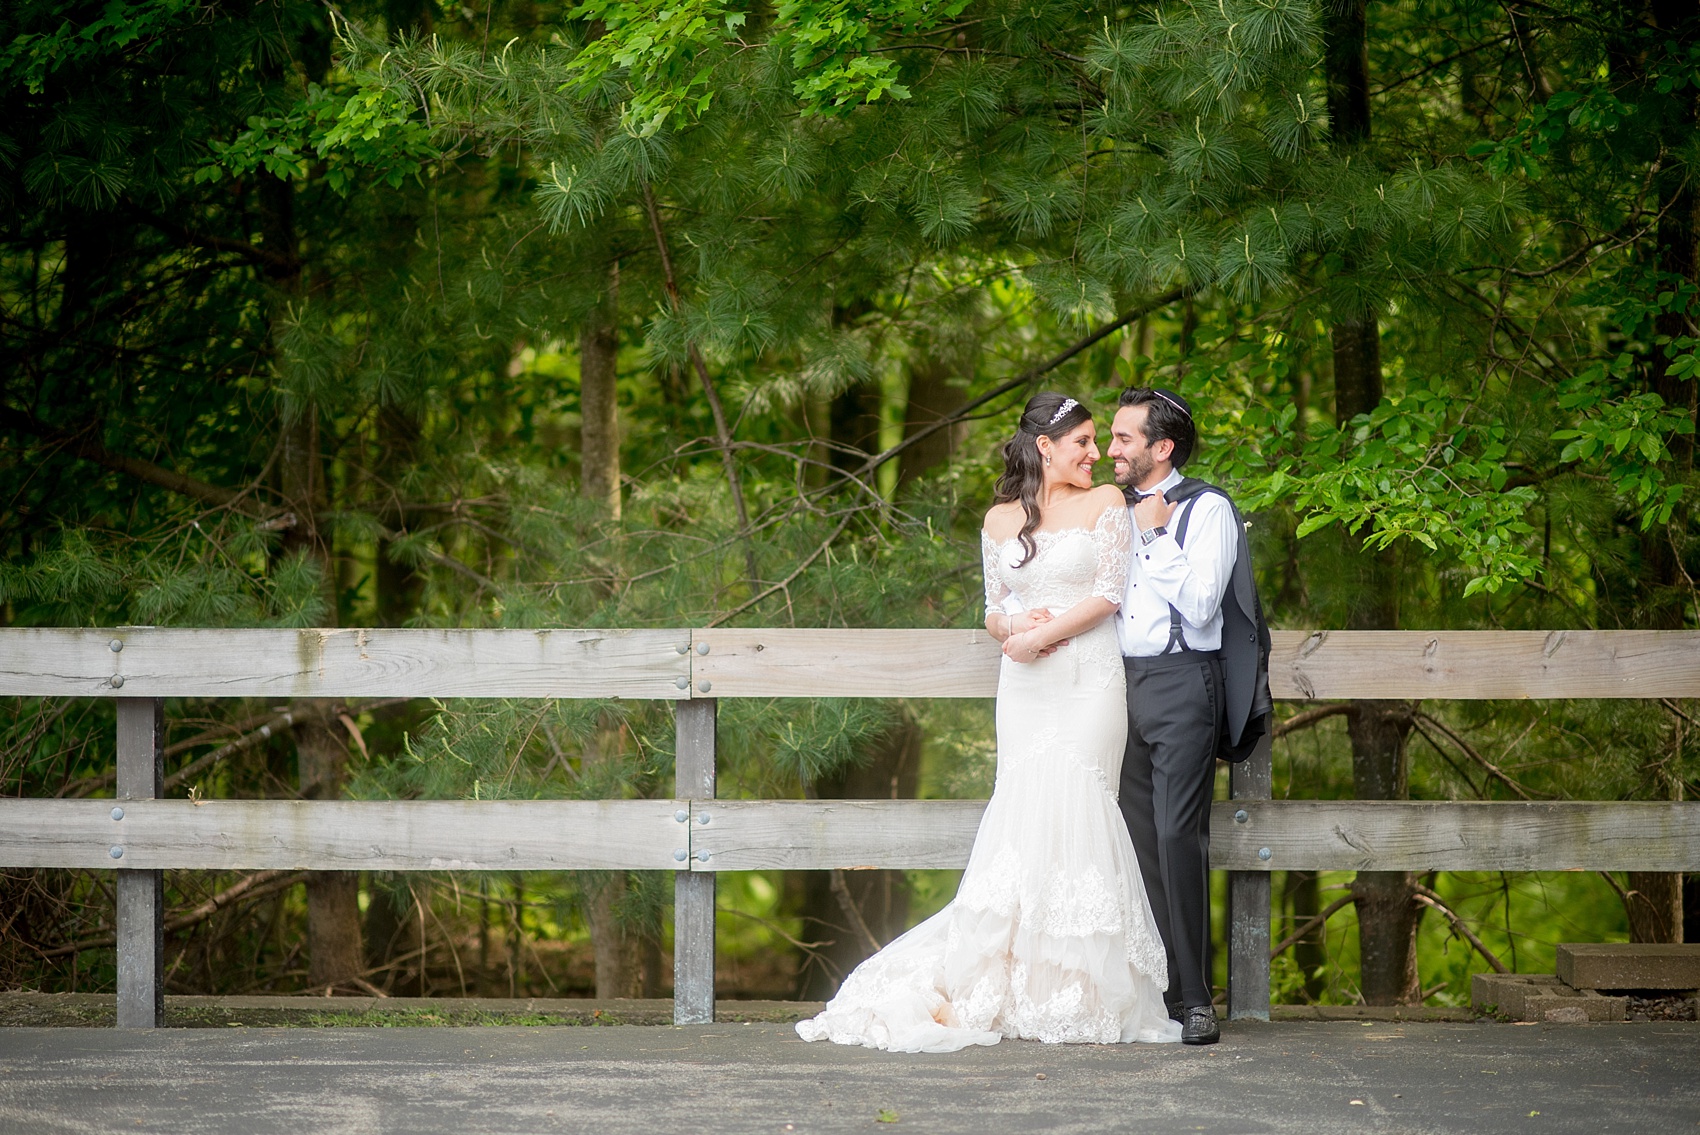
(599, 345)
(333, 897)
(609, 940)
(931, 398)
(1655, 903)
(1303, 898)
(615, 941)
(853, 420)
(1655, 906)
(1385, 900)
(892, 772)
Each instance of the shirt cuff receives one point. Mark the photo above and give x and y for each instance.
(1159, 552)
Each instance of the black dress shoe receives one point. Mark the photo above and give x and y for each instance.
(1199, 1026)
(1177, 1013)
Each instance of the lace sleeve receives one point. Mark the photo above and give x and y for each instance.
(1112, 536)
(996, 590)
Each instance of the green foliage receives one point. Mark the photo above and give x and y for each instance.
(675, 54)
(372, 130)
(120, 27)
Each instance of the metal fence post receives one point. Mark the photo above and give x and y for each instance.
(141, 894)
(1248, 901)
(693, 892)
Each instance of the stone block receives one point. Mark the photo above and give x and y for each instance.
(1541, 997)
(1598, 965)
(1566, 1015)
(1561, 1004)
(1504, 994)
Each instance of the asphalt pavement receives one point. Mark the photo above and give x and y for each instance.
(1403, 1077)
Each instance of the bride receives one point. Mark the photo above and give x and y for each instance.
(1050, 936)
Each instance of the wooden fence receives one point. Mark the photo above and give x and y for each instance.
(696, 835)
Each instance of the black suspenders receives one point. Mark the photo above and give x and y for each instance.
(1177, 635)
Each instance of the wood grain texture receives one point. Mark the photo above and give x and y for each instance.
(695, 741)
(1248, 945)
(846, 663)
(345, 835)
(748, 835)
(168, 662)
(1306, 835)
(1485, 664)
(761, 835)
(164, 662)
(140, 913)
(1303, 665)
(1350, 835)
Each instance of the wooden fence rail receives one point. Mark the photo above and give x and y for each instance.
(696, 835)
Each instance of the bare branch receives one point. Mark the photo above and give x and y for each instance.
(1429, 898)
(841, 890)
(1026, 377)
(90, 448)
(1306, 718)
(1469, 750)
(1292, 939)
(788, 580)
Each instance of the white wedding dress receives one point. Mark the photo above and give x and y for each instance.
(1050, 936)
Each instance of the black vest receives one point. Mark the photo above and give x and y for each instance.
(1245, 636)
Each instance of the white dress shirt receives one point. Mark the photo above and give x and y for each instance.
(1193, 578)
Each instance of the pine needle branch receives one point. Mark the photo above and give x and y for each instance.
(788, 580)
(671, 281)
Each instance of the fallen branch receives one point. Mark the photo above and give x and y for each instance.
(255, 886)
(1429, 898)
(286, 720)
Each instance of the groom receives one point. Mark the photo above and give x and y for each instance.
(1170, 625)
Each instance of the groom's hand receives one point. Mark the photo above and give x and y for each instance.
(1153, 512)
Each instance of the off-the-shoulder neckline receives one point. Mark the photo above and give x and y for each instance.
(1039, 533)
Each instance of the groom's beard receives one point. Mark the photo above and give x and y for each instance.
(1138, 468)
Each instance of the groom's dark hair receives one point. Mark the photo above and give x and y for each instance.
(1167, 416)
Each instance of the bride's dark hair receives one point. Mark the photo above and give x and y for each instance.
(1023, 470)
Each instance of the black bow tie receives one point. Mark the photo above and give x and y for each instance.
(1134, 496)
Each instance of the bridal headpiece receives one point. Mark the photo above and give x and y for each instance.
(1067, 405)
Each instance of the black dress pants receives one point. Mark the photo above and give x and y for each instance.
(1168, 777)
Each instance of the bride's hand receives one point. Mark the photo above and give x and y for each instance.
(1025, 647)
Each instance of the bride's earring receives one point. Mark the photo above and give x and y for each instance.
(1047, 460)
